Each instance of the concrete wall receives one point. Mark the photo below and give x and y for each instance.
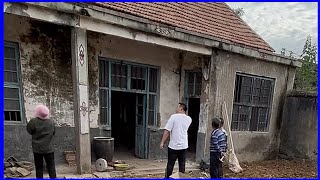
(46, 67)
(47, 78)
(17, 142)
(169, 61)
(249, 146)
(45, 56)
(299, 131)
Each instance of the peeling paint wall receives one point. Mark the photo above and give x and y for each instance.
(250, 146)
(45, 51)
(45, 57)
(169, 61)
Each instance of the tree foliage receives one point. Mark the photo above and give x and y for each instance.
(307, 76)
(239, 11)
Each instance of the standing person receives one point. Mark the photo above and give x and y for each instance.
(217, 147)
(42, 130)
(224, 153)
(177, 129)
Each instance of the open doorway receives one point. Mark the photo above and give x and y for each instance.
(123, 122)
(193, 112)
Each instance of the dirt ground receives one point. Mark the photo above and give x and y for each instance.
(263, 169)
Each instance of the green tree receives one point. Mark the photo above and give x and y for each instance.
(307, 75)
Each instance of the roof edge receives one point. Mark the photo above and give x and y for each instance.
(145, 25)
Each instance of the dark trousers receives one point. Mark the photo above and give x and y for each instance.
(216, 170)
(38, 161)
(172, 157)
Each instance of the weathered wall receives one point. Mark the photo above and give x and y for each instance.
(169, 61)
(46, 73)
(45, 57)
(299, 131)
(17, 142)
(249, 146)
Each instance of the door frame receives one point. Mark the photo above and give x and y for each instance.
(147, 94)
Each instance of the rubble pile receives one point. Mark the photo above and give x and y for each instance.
(15, 168)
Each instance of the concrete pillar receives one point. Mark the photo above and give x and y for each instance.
(208, 107)
(81, 101)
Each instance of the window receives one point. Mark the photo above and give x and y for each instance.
(119, 75)
(252, 103)
(12, 95)
(138, 78)
(133, 78)
(193, 84)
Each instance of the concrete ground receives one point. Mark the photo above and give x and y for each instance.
(138, 167)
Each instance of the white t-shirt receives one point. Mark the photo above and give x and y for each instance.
(178, 125)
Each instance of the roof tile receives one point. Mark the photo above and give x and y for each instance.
(212, 19)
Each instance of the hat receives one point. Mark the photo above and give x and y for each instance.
(42, 112)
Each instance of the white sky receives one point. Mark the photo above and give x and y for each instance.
(282, 24)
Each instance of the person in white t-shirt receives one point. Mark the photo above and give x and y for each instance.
(177, 129)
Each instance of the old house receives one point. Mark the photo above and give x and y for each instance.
(119, 69)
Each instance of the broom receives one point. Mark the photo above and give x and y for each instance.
(233, 162)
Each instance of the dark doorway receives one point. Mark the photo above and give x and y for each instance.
(123, 109)
(193, 112)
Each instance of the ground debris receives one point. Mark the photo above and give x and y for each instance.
(263, 169)
(15, 168)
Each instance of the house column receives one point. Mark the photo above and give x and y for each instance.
(81, 101)
(208, 106)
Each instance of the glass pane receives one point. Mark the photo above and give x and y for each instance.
(138, 78)
(153, 78)
(10, 65)
(151, 118)
(10, 77)
(246, 89)
(11, 104)
(151, 115)
(103, 94)
(254, 118)
(235, 116)
(119, 75)
(263, 119)
(12, 116)
(244, 118)
(103, 73)
(237, 88)
(9, 52)
(103, 116)
(198, 84)
(12, 93)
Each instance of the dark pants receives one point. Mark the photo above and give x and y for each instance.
(172, 157)
(38, 161)
(216, 170)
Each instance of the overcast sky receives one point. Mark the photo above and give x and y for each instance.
(282, 24)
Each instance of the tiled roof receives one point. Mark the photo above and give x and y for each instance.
(216, 20)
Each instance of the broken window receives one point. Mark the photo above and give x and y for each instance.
(119, 75)
(12, 96)
(252, 103)
(138, 78)
(194, 80)
(153, 80)
(103, 73)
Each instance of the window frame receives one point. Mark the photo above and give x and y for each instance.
(187, 77)
(18, 85)
(146, 92)
(250, 105)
